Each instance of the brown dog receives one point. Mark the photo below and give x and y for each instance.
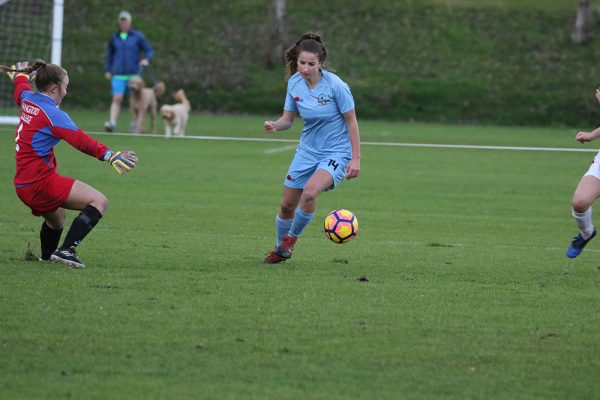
(176, 115)
(142, 100)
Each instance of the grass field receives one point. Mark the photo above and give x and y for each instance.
(469, 294)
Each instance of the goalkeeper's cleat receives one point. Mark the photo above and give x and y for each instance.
(109, 127)
(577, 245)
(68, 257)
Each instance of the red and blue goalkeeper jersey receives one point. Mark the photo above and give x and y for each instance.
(41, 126)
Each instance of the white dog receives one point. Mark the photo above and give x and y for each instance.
(176, 115)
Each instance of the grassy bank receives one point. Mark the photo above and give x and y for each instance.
(503, 62)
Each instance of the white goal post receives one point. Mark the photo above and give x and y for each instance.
(29, 29)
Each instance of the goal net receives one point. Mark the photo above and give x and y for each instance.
(28, 30)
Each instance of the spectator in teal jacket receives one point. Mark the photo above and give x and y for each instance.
(124, 61)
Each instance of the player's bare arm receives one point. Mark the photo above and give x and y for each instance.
(284, 122)
(583, 137)
(354, 166)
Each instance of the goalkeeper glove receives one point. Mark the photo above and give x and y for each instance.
(121, 161)
(20, 69)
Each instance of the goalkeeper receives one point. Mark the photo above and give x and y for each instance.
(42, 125)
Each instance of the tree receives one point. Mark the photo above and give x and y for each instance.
(277, 29)
(583, 22)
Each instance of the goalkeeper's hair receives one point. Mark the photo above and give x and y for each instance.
(46, 74)
(310, 42)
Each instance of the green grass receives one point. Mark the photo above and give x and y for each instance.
(243, 125)
(469, 292)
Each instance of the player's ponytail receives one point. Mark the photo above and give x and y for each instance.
(310, 42)
(46, 74)
(37, 64)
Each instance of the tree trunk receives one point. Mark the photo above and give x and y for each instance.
(277, 29)
(583, 22)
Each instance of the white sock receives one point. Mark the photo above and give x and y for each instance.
(584, 222)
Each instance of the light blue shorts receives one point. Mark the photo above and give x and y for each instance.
(119, 84)
(304, 165)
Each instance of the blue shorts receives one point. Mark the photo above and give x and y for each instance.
(119, 84)
(304, 165)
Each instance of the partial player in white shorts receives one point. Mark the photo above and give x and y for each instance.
(586, 193)
(594, 169)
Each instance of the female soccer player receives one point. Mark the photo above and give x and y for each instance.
(588, 190)
(329, 147)
(41, 126)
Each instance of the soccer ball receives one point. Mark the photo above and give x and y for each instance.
(341, 226)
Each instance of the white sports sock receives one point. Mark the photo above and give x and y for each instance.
(584, 222)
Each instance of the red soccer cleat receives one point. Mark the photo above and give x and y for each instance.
(273, 258)
(282, 252)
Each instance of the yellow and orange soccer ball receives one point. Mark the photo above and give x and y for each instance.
(341, 226)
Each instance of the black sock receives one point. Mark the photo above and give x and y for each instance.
(81, 226)
(49, 239)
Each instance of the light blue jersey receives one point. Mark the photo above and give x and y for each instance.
(322, 108)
